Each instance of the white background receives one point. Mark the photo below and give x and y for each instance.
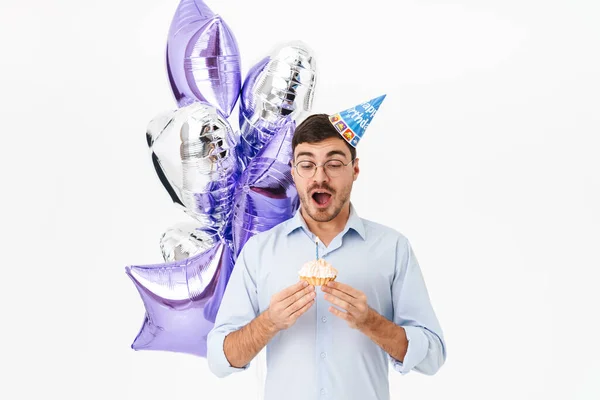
(484, 154)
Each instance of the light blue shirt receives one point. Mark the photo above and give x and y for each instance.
(320, 356)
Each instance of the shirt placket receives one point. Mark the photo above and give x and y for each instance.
(324, 340)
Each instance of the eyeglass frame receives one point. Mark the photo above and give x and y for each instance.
(322, 166)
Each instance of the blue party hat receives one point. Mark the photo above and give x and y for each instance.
(353, 122)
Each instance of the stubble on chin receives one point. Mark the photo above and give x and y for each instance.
(319, 216)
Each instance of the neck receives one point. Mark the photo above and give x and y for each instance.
(326, 231)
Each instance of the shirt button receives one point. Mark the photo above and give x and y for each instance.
(324, 319)
(323, 355)
(323, 392)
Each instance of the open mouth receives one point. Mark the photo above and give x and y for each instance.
(321, 199)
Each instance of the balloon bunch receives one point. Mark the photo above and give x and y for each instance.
(232, 183)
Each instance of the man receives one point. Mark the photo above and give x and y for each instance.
(330, 342)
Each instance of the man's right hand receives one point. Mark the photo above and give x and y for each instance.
(289, 304)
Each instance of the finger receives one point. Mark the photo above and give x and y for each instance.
(302, 309)
(285, 303)
(296, 305)
(287, 292)
(339, 302)
(339, 294)
(341, 314)
(345, 288)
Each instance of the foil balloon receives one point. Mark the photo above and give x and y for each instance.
(184, 240)
(181, 299)
(193, 153)
(266, 195)
(203, 59)
(279, 87)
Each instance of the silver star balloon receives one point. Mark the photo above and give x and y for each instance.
(279, 87)
(193, 152)
(184, 240)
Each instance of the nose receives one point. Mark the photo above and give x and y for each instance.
(320, 175)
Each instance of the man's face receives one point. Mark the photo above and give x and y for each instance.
(323, 197)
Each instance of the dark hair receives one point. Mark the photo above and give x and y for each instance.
(317, 128)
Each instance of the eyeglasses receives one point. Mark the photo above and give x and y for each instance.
(333, 168)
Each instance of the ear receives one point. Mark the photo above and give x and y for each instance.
(356, 169)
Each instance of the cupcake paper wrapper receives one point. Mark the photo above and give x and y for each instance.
(316, 281)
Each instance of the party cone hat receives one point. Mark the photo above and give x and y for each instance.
(353, 122)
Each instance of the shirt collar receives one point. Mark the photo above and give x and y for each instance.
(354, 222)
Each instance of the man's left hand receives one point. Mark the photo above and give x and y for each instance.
(353, 302)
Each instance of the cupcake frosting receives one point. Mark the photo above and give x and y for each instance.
(319, 269)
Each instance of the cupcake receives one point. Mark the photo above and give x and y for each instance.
(317, 272)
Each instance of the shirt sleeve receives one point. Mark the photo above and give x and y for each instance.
(413, 311)
(239, 307)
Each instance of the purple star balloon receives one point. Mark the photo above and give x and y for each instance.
(266, 195)
(203, 59)
(181, 299)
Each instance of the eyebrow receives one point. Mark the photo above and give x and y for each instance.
(331, 153)
(305, 153)
(336, 152)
